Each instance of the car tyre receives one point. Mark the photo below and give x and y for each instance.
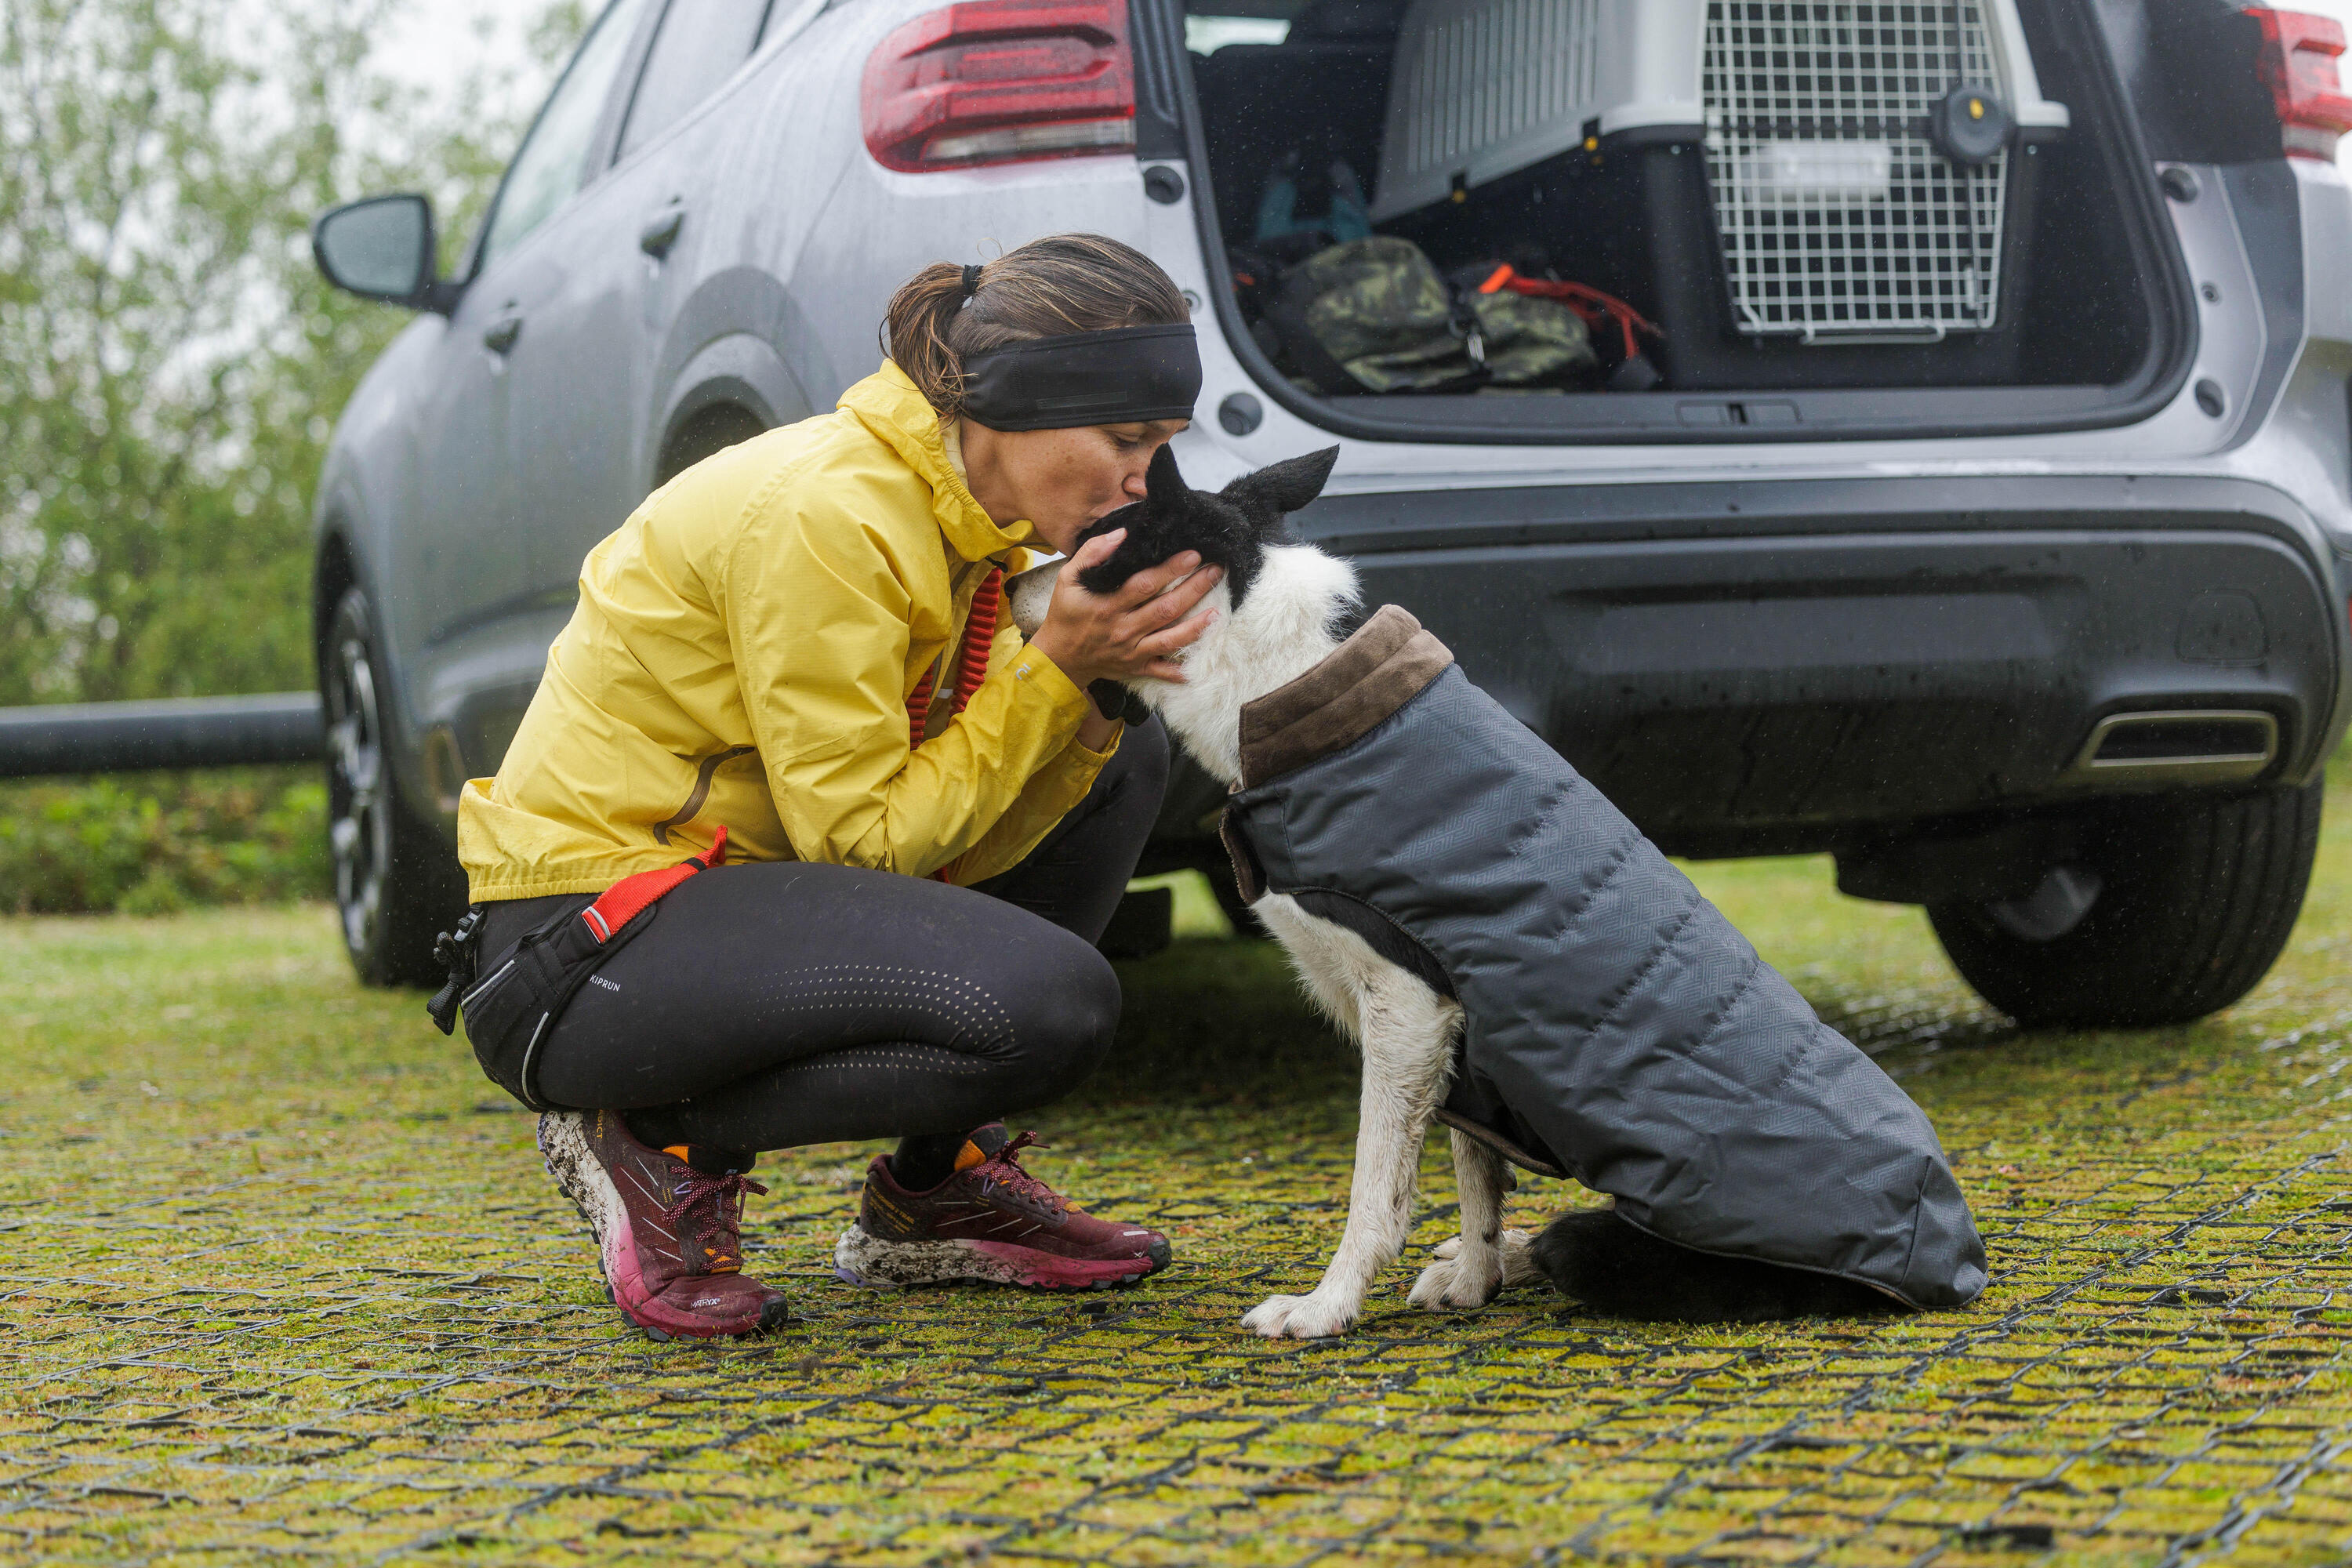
(397, 883)
(2194, 899)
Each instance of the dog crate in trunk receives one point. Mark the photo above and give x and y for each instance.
(1936, 202)
(1824, 175)
(1871, 174)
(1858, 162)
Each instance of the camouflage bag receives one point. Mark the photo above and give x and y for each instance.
(1526, 346)
(1374, 315)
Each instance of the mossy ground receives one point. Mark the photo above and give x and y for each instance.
(283, 1278)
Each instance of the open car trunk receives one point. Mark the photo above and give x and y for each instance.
(1644, 220)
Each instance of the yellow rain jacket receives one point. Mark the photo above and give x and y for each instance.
(743, 652)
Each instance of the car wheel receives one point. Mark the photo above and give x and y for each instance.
(2177, 909)
(397, 885)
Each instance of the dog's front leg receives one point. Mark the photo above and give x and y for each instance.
(1407, 1033)
(1469, 1274)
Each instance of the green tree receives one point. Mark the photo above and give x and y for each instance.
(171, 363)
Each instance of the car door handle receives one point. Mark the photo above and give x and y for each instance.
(502, 333)
(661, 232)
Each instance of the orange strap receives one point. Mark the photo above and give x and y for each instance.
(1587, 301)
(630, 897)
(972, 661)
(971, 667)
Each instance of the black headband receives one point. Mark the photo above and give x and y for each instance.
(1123, 375)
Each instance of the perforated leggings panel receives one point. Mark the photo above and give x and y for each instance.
(775, 1005)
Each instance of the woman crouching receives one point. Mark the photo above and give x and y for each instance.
(788, 665)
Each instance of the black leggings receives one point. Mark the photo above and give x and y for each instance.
(780, 1003)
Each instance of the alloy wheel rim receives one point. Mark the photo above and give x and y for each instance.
(356, 830)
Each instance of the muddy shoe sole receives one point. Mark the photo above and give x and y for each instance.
(866, 1260)
(563, 1148)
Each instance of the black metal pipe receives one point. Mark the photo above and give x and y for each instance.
(182, 732)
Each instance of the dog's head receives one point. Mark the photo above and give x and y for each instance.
(1232, 528)
(1280, 605)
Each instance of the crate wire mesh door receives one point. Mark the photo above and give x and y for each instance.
(1837, 216)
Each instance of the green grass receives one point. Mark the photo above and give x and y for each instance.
(1194, 913)
(283, 1278)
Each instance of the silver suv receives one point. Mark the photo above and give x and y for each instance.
(1978, 513)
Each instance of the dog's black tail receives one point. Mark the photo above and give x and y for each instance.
(1622, 1272)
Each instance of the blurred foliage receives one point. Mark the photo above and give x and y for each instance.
(155, 843)
(170, 363)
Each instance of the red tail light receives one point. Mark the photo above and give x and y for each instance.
(2297, 63)
(998, 81)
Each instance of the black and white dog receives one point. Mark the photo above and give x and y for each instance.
(1514, 959)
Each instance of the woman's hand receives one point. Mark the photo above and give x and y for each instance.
(1133, 633)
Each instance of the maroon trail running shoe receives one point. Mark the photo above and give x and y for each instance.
(991, 1220)
(668, 1237)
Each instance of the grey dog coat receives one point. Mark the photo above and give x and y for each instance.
(1617, 1028)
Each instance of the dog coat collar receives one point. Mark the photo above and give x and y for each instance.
(1350, 694)
(1359, 686)
(1121, 376)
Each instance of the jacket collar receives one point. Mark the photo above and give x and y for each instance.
(887, 404)
(1350, 694)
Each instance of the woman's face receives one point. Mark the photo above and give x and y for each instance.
(1061, 481)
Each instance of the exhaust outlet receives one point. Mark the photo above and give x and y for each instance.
(2189, 745)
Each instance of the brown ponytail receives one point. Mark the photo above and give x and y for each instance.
(1063, 283)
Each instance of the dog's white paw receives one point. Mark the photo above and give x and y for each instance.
(1311, 1316)
(1518, 1262)
(1457, 1283)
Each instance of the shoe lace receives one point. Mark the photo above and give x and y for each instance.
(708, 1204)
(1008, 1174)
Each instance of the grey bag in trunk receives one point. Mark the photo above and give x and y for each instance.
(1617, 1025)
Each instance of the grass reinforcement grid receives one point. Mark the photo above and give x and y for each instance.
(283, 1278)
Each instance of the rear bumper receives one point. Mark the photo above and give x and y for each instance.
(1783, 666)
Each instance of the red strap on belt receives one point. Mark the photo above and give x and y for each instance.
(630, 897)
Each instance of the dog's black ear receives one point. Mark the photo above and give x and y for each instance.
(1164, 488)
(1286, 486)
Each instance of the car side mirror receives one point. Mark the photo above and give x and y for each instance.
(381, 248)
